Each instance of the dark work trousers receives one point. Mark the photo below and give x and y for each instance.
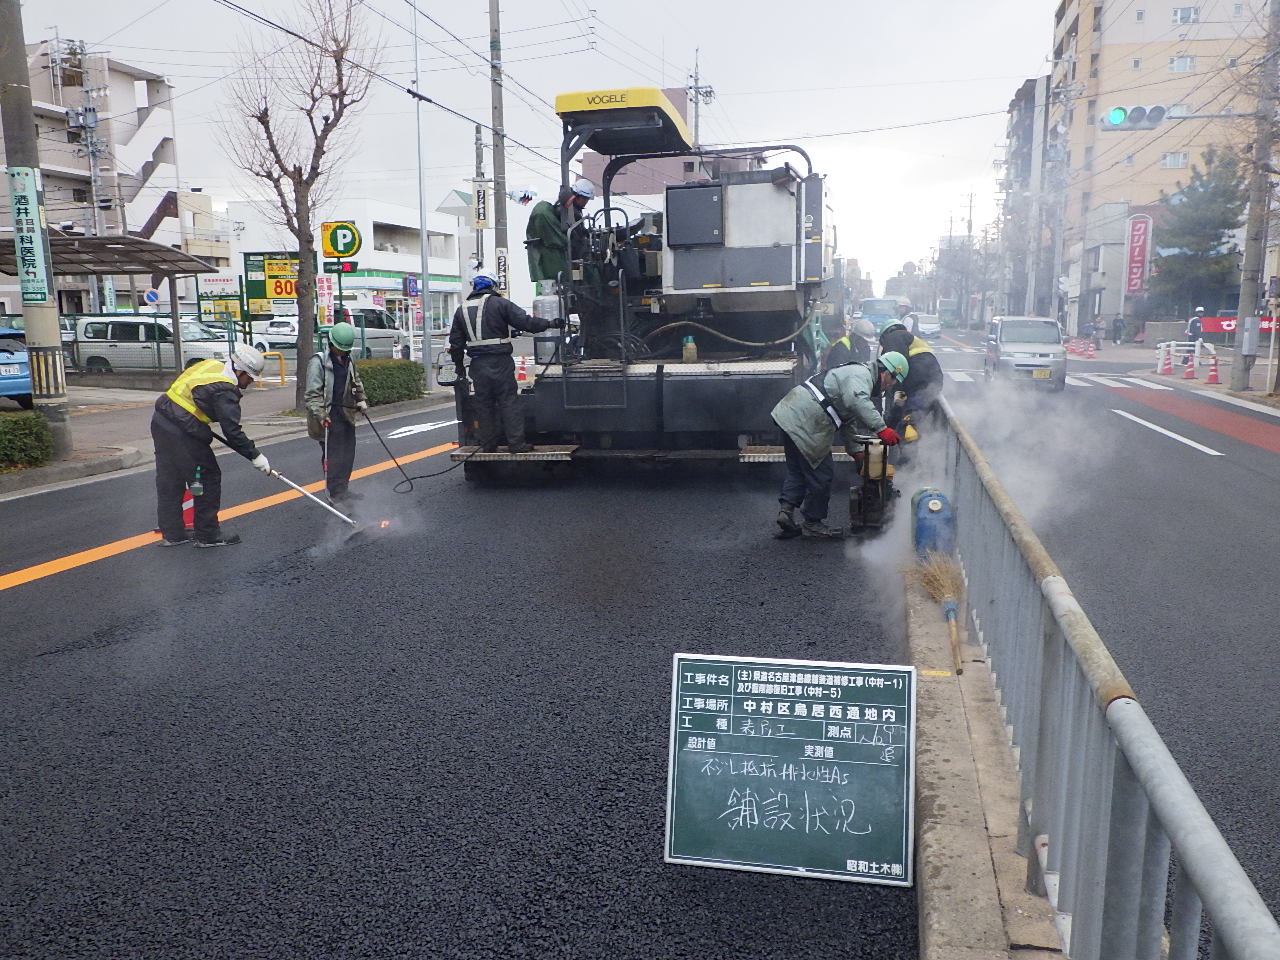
(177, 456)
(342, 453)
(496, 404)
(805, 486)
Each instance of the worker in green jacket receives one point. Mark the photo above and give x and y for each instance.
(545, 236)
(809, 416)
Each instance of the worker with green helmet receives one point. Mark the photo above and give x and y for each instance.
(334, 396)
(840, 399)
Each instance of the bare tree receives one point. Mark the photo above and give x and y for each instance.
(297, 100)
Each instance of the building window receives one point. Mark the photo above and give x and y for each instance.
(1233, 61)
(1174, 161)
(1097, 18)
(1237, 9)
(79, 195)
(74, 136)
(1183, 64)
(1137, 64)
(1088, 158)
(1093, 66)
(1092, 117)
(1186, 14)
(1140, 15)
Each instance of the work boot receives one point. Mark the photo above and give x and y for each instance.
(521, 448)
(787, 523)
(166, 542)
(818, 530)
(220, 541)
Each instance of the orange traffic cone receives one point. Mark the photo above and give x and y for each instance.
(521, 376)
(1213, 370)
(188, 510)
(1189, 370)
(1089, 351)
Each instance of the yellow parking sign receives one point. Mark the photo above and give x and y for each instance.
(340, 238)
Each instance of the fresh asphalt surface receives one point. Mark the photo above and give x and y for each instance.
(446, 738)
(1172, 551)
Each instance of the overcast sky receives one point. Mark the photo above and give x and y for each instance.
(780, 73)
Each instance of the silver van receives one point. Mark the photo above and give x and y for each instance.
(1026, 350)
(106, 343)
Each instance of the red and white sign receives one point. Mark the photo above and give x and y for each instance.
(324, 292)
(1137, 253)
(1228, 324)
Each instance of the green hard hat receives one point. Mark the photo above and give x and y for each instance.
(895, 363)
(342, 335)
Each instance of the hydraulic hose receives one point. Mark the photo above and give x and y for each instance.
(724, 336)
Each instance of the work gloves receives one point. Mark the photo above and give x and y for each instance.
(362, 405)
(558, 323)
(889, 436)
(260, 463)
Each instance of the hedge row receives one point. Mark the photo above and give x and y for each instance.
(390, 381)
(25, 440)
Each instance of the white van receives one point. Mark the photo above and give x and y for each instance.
(107, 343)
(382, 337)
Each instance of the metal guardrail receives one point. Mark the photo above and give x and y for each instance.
(1113, 833)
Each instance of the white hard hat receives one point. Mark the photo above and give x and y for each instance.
(1199, 309)
(245, 359)
(585, 188)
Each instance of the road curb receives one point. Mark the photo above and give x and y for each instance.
(121, 459)
(969, 891)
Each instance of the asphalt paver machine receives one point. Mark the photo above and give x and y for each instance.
(688, 322)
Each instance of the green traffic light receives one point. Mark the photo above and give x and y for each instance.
(1117, 116)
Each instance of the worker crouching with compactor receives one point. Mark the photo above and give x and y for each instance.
(334, 395)
(923, 383)
(204, 392)
(481, 331)
(809, 416)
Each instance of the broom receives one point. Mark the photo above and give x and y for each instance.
(939, 575)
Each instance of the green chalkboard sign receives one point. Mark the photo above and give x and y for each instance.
(792, 766)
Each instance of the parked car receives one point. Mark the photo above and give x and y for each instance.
(15, 369)
(107, 343)
(927, 326)
(382, 337)
(1027, 350)
(278, 333)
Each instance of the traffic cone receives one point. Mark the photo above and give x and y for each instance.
(1189, 371)
(1089, 351)
(521, 375)
(188, 510)
(1213, 370)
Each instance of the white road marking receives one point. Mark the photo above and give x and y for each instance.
(401, 432)
(1076, 382)
(960, 376)
(1149, 384)
(1103, 382)
(1168, 433)
(1247, 404)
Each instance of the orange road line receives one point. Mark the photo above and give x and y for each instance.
(73, 560)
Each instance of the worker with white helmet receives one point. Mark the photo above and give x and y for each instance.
(334, 396)
(481, 331)
(206, 391)
(545, 237)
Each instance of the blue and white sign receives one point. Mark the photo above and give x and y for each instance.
(152, 296)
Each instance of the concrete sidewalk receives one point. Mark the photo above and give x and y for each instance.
(111, 429)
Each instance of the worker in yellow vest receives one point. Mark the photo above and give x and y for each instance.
(204, 392)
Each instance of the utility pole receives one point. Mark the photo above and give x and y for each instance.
(699, 93)
(424, 234)
(499, 196)
(1259, 186)
(31, 237)
(968, 267)
(478, 185)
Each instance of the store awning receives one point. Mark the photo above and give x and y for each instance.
(74, 255)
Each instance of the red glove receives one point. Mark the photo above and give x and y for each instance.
(889, 436)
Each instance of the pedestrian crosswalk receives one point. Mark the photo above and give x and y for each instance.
(1114, 381)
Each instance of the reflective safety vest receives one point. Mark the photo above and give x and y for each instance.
(473, 317)
(197, 375)
(917, 346)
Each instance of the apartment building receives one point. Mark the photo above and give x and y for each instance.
(107, 152)
(1195, 62)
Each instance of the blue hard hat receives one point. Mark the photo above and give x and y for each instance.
(483, 281)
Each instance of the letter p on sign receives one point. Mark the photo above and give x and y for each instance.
(340, 239)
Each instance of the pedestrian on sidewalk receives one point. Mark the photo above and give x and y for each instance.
(1194, 331)
(333, 397)
(1117, 329)
(204, 392)
(842, 399)
(1099, 332)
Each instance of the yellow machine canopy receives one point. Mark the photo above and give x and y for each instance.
(619, 122)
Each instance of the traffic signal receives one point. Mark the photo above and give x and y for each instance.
(1134, 118)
